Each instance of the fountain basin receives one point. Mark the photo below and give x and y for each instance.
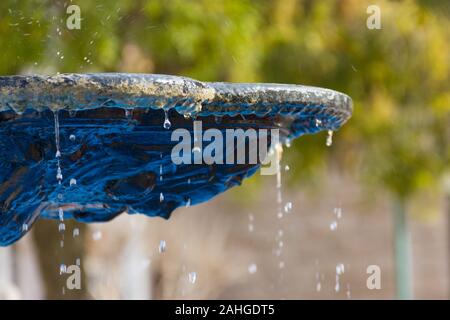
(115, 151)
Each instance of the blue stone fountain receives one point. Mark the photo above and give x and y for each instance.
(113, 153)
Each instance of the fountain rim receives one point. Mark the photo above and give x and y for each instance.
(75, 91)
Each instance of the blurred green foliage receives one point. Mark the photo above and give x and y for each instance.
(398, 76)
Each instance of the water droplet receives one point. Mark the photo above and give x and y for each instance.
(287, 142)
(97, 235)
(61, 243)
(62, 268)
(167, 123)
(338, 212)
(188, 203)
(286, 168)
(340, 269)
(189, 181)
(162, 246)
(73, 182)
(337, 287)
(318, 122)
(72, 137)
(161, 197)
(288, 207)
(24, 227)
(252, 268)
(58, 154)
(333, 226)
(76, 232)
(61, 214)
(192, 277)
(61, 227)
(59, 175)
(329, 138)
(318, 287)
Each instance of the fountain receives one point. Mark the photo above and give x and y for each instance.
(112, 137)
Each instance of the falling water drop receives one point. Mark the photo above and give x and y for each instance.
(192, 277)
(167, 123)
(288, 207)
(318, 286)
(250, 223)
(76, 232)
(73, 182)
(61, 214)
(286, 168)
(97, 235)
(287, 142)
(24, 227)
(162, 246)
(62, 268)
(72, 137)
(59, 175)
(333, 226)
(318, 282)
(188, 203)
(329, 138)
(161, 197)
(61, 227)
(340, 269)
(337, 287)
(318, 122)
(252, 268)
(338, 212)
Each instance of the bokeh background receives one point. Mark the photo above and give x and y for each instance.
(387, 172)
